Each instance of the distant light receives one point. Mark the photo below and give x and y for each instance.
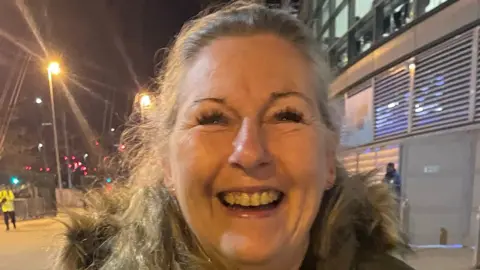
(41, 169)
(109, 180)
(85, 156)
(14, 180)
(97, 143)
(38, 100)
(79, 163)
(419, 109)
(40, 145)
(122, 147)
(411, 66)
(85, 173)
(112, 130)
(65, 158)
(69, 165)
(48, 169)
(393, 104)
(73, 157)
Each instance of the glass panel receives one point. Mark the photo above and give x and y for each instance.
(395, 16)
(341, 23)
(362, 7)
(325, 12)
(425, 6)
(363, 35)
(338, 3)
(326, 40)
(339, 56)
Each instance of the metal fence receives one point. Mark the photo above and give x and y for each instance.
(32, 208)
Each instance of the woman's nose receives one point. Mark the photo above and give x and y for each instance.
(249, 148)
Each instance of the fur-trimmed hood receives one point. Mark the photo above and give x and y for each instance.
(357, 229)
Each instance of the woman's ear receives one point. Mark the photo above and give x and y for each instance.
(331, 160)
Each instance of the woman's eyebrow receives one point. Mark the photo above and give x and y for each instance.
(288, 93)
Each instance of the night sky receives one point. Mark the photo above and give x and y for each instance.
(106, 46)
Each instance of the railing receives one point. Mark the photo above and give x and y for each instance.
(367, 31)
(31, 208)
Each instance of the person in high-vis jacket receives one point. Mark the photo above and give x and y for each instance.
(8, 208)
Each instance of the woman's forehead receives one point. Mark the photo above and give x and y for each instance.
(257, 64)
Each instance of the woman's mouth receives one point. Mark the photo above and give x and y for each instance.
(251, 201)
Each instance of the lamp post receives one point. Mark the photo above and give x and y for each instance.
(54, 69)
(144, 101)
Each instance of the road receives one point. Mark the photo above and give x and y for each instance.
(34, 244)
(31, 246)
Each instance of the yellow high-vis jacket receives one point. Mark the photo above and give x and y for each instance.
(7, 200)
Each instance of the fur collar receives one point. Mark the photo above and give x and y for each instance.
(360, 227)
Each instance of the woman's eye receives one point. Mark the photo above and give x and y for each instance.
(213, 118)
(289, 116)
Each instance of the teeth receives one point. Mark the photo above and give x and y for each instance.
(251, 199)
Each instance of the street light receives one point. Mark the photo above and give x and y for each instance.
(54, 69)
(145, 101)
(38, 100)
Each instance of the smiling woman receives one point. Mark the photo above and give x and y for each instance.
(235, 167)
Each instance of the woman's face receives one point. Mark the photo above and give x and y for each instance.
(249, 157)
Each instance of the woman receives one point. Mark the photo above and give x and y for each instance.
(237, 164)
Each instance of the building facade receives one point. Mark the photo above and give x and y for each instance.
(408, 88)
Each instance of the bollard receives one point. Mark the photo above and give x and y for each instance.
(476, 250)
(443, 236)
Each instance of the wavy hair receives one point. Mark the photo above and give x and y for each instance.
(149, 231)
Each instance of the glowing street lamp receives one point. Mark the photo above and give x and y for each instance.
(54, 69)
(145, 101)
(38, 100)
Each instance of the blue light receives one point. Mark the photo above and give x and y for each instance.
(109, 180)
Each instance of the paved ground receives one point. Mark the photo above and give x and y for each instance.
(442, 259)
(33, 245)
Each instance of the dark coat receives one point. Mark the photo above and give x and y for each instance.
(363, 233)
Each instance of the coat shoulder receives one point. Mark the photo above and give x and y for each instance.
(382, 262)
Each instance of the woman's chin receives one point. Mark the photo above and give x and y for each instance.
(248, 251)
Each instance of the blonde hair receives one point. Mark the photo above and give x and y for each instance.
(150, 231)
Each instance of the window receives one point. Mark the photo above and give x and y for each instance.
(362, 7)
(425, 6)
(341, 23)
(325, 12)
(337, 3)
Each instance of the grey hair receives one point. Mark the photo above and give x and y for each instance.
(154, 233)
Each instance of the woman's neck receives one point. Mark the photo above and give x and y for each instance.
(287, 260)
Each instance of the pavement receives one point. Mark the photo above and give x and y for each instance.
(33, 246)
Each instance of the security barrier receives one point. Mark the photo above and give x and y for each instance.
(31, 208)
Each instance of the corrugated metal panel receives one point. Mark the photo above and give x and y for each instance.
(442, 81)
(391, 94)
(477, 94)
(350, 163)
